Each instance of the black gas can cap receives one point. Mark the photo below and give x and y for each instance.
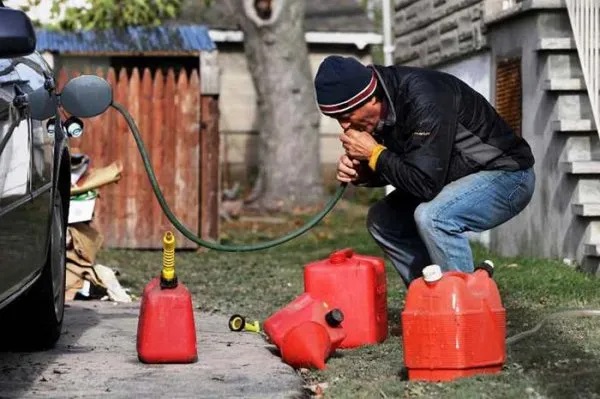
(486, 265)
(334, 317)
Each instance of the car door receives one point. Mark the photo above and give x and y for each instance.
(33, 72)
(15, 159)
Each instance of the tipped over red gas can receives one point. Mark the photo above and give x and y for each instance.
(356, 284)
(453, 325)
(306, 331)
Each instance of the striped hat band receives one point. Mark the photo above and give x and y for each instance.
(353, 102)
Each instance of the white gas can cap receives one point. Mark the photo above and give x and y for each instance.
(432, 273)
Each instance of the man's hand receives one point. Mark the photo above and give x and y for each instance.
(347, 169)
(358, 145)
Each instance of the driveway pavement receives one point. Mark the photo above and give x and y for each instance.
(96, 357)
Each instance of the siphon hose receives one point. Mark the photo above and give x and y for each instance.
(191, 235)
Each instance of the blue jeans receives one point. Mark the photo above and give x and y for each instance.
(415, 234)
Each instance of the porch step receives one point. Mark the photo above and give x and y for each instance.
(591, 249)
(586, 209)
(580, 167)
(564, 84)
(587, 190)
(573, 106)
(556, 43)
(573, 125)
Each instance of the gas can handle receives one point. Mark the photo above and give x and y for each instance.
(341, 255)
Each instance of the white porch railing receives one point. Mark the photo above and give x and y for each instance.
(585, 22)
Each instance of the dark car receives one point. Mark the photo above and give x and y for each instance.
(34, 194)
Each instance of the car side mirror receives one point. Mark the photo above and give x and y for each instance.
(17, 36)
(42, 105)
(86, 96)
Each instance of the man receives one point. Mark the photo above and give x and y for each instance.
(456, 166)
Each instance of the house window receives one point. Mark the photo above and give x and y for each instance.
(508, 92)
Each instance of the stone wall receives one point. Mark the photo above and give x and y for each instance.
(430, 32)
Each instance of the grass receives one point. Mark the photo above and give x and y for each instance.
(561, 361)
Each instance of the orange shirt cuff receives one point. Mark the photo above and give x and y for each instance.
(375, 155)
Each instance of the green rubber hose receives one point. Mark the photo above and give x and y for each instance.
(188, 233)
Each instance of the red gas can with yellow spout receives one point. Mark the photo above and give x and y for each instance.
(356, 284)
(453, 325)
(166, 328)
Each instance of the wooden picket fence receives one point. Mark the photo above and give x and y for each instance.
(167, 109)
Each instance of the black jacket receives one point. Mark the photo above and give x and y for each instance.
(437, 130)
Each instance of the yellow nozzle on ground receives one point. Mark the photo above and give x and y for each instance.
(168, 267)
(253, 326)
(239, 323)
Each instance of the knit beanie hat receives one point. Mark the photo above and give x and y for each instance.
(342, 84)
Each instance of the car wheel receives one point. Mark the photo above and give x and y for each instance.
(37, 317)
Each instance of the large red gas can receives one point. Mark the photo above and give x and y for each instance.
(453, 325)
(356, 284)
(306, 331)
(166, 330)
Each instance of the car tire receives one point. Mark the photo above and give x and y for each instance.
(37, 317)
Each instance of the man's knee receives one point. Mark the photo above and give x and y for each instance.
(431, 217)
(424, 216)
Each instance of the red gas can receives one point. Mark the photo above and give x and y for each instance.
(306, 331)
(356, 284)
(166, 329)
(453, 325)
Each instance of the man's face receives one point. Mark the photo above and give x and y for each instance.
(364, 118)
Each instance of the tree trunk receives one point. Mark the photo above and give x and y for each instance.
(277, 58)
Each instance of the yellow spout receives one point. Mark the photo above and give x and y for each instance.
(168, 267)
(253, 326)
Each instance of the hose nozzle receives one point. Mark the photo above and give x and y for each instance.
(168, 278)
